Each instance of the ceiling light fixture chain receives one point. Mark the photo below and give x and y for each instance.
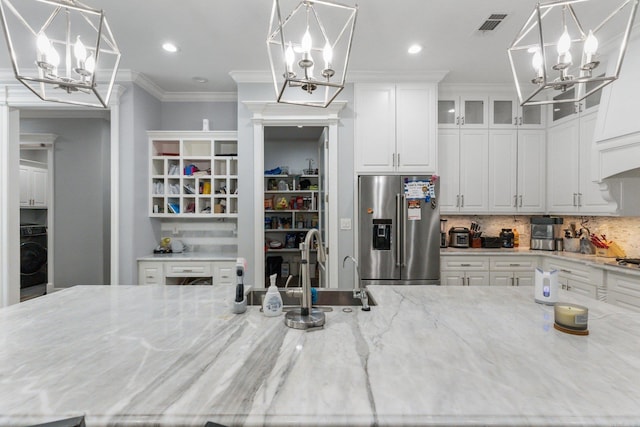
(58, 48)
(569, 26)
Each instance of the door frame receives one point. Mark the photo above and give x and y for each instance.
(13, 98)
(269, 113)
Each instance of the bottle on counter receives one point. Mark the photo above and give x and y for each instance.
(272, 304)
(516, 238)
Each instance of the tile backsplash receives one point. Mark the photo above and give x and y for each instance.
(623, 230)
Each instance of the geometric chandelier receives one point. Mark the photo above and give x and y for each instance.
(60, 49)
(309, 50)
(559, 50)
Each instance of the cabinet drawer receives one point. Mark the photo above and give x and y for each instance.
(150, 273)
(188, 269)
(624, 284)
(575, 270)
(224, 273)
(513, 263)
(473, 263)
(623, 300)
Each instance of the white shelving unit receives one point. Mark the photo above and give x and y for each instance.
(193, 174)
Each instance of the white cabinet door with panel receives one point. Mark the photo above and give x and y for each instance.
(569, 186)
(395, 128)
(505, 112)
(464, 271)
(463, 158)
(33, 186)
(516, 171)
(462, 111)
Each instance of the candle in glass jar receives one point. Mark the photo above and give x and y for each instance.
(571, 315)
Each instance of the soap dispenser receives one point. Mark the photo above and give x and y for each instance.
(272, 304)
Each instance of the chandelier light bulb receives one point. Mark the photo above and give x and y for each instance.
(80, 52)
(90, 64)
(327, 55)
(289, 57)
(536, 61)
(53, 57)
(306, 42)
(564, 43)
(590, 46)
(43, 44)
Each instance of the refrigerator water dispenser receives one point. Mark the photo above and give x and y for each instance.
(382, 234)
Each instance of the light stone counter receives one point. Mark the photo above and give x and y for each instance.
(426, 355)
(189, 256)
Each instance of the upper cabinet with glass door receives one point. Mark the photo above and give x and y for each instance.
(563, 111)
(462, 111)
(506, 113)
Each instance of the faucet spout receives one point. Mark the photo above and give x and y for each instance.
(358, 291)
(307, 317)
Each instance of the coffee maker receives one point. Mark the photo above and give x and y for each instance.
(443, 233)
(545, 232)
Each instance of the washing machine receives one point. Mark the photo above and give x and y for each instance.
(33, 261)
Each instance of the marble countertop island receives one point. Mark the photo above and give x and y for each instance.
(426, 355)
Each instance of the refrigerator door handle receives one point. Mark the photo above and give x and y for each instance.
(398, 240)
(404, 230)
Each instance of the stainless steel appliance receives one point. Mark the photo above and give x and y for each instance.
(544, 232)
(459, 237)
(399, 230)
(33, 261)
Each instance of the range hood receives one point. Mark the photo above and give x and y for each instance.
(617, 134)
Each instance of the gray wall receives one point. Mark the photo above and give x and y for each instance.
(139, 112)
(246, 232)
(189, 115)
(81, 177)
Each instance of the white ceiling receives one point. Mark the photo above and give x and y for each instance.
(220, 36)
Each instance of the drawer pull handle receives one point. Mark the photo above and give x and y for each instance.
(565, 271)
(465, 265)
(514, 265)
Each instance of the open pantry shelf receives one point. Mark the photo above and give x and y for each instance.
(193, 174)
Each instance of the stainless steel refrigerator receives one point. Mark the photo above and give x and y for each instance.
(399, 230)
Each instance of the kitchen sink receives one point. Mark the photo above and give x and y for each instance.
(326, 297)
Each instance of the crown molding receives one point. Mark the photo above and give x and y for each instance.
(200, 97)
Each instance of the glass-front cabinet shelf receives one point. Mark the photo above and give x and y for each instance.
(193, 174)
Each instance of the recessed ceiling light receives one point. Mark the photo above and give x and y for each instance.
(414, 48)
(200, 79)
(170, 47)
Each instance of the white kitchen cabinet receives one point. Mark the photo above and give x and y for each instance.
(175, 272)
(623, 290)
(517, 170)
(150, 273)
(463, 156)
(460, 110)
(512, 270)
(505, 112)
(578, 277)
(567, 111)
(569, 186)
(464, 271)
(464, 278)
(224, 273)
(33, 185)
(177, 189)
(395, 128)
